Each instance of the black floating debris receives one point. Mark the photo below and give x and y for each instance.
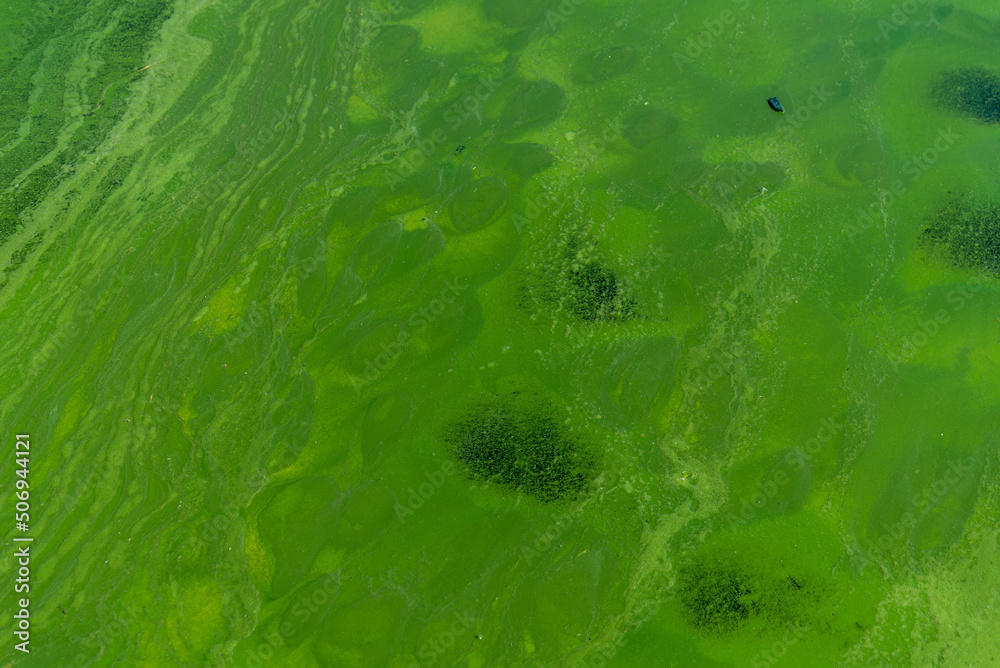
(774, 104)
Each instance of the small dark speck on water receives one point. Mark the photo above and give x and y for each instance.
(774, 104)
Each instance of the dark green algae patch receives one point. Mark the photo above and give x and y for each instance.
(517, 440)
(970, 91)
(573, 278)
(966, 233)
(737, 585)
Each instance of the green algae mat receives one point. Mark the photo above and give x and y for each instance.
(468, 333)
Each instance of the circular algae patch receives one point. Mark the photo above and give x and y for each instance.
(517, 441)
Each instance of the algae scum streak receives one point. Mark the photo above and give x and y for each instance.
(480, 333)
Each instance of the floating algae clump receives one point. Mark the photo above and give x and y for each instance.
(597, 294)
(717, 599)
(516, 440)
(571, 276)
(971, 91)
(967, 234)
(744, 582)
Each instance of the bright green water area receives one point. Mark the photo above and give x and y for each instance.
(504, 333)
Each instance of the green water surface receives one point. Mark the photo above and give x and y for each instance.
(475, 333)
